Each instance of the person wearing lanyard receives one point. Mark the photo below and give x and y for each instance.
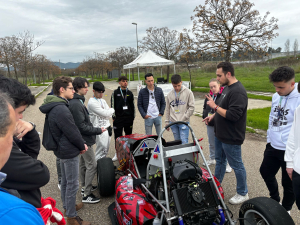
(100, 113)
(180, 105)
(122, 101)
(87, 164)
(284, 103)
(215, 92)
(151, 105)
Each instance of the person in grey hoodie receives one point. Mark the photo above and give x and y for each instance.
(180, 106)
(284, 103)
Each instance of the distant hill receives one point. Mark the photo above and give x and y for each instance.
(68, 65)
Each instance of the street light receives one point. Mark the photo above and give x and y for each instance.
(137, 45)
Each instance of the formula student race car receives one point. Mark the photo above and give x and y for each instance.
(170, 188)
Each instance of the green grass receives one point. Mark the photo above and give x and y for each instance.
(38, 85)
(205, 90)
(250, 130)
(268, 98)
(253, 77)
(258, 118)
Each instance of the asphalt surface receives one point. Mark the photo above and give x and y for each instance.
(252, 153)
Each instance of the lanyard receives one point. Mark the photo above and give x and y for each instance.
(177, 99)
(279, 106)
(84, 107)
(100, 102)
(125, 98)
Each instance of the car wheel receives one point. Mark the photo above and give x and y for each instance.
(263, 211)
(106, 177)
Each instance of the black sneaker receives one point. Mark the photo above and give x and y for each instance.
(90, 199)
(94, 188)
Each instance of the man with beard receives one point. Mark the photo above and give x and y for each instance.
(230, 126)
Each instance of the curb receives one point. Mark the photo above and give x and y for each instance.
(42, 91)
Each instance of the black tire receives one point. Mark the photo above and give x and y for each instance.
(106, 177)
(264, 210)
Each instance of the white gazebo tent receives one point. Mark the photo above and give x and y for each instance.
(148, 58)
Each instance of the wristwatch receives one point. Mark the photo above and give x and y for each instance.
(32, 125)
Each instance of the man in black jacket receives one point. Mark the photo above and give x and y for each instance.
(87, 164)
(69, 141)
(230, 127)
(151, 104)
(122, 100)
(25, 174)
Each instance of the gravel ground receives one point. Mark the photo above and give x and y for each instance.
(252, 151)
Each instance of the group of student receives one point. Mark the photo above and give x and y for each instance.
(76, 128)
(225, 112)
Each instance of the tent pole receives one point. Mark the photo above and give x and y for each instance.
(129, 74)
(161, 71)
(174, 69)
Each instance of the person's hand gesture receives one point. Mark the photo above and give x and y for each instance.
(22, 128)
(210, 102)
(208, 119)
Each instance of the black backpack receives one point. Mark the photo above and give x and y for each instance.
(48, 142)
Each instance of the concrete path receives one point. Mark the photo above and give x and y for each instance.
(252, 153)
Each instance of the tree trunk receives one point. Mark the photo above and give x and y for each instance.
(168, 74)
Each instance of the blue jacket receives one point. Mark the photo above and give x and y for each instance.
(14, 211)
(143, 101)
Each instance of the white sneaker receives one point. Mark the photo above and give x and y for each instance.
(210, 162)
(238, 199)
(115, 158)
(228, 168)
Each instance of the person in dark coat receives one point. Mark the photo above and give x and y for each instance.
(151, 105)
(122, 101)
(215, 92)
(87, 164)
(69, 141)
(25, 174)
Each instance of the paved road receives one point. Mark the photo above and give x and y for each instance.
(252, 151)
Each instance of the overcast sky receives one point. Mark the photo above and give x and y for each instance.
(74, 29)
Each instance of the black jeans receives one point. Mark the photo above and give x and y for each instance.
(296, 187)
(118, 129)
(273, 160)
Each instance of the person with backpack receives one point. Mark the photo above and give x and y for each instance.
(70, 144)
(51, 144)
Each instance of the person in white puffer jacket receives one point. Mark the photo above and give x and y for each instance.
(100, 113)
(292, 154)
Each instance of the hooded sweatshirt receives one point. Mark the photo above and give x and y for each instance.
(186, 106)
(292, 152)
(277, 136)
(63, 128)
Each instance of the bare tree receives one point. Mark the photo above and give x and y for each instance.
(8, 53)
(287, 47)
(295, 47)
(230, 25)
(25, 46)
(164, 42)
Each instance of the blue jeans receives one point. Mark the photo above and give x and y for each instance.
(232, 153)
(181, 132)
(149, 124)
(69, 184)
(211, 141)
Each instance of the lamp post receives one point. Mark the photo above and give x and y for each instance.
(137, 45)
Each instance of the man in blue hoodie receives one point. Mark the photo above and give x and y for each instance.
(284, 103)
